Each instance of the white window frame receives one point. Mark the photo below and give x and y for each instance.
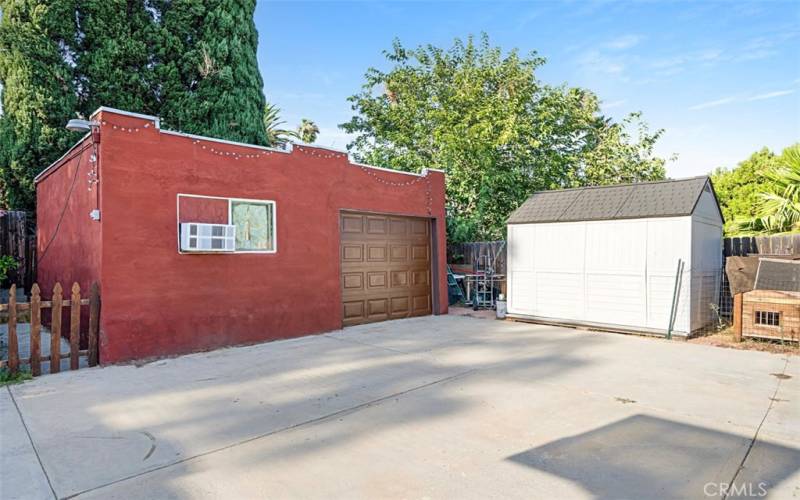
(230, 222)
(766, 317)
(274, 223)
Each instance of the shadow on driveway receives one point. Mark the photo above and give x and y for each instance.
(650, 457)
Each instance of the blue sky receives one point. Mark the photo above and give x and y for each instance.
(722, 78)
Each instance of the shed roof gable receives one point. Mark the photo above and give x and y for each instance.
(670, 198)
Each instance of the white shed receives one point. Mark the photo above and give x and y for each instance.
(609, 256)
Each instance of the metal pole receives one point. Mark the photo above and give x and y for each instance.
(672, 309)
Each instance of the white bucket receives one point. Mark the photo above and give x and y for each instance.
(500, 307)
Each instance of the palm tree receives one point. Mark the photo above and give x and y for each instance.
(307, 131)
(276, 136)
(779, 209)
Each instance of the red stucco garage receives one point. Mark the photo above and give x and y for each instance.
(199, 243)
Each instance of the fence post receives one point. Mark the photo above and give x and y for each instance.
(94, 324)
(737, 317)
(13, 345)
(55, 330)
(74, 326)
(36, 327)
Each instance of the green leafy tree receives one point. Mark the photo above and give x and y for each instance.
(114, 55)
(616, 157)
(38, 95)
(307, 131)
(207, 69)
(499, 133)
(193, 62)
(738, 188)
(778, 207)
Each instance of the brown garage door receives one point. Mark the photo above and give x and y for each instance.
(386, 267)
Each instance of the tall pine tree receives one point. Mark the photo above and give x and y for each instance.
(115, 55)
(208, 71)
(192, 62)
(38, 93)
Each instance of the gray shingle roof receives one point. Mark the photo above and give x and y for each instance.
(775, 274)
(671, 198)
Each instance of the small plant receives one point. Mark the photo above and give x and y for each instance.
(7, 263)
(719, 322)
(6, 378)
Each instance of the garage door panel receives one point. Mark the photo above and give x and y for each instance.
(376, 253)
(420, 227)
(399, 279)
(352, 253)
(352, 224)
(420, 278)
(398, 227)
(421, 303)
(376, 225)
(377, 279)
(400, 305)
(398, 253)
(385, 267)
(419, 253)
(377, 308)
(353, 309)
(353, 281)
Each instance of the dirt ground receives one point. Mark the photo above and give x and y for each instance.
(725, 339)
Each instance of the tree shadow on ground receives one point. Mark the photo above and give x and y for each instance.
(174, 411)
(648, 457)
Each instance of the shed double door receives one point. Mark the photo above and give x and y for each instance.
(385, 267)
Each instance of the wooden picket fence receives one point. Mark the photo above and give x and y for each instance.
(56, 305)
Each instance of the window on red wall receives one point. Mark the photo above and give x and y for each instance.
(255, 225)
(254, 220)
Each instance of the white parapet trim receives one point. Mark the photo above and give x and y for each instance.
(157, 122)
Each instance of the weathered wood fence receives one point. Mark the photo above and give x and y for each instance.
(469, 253)
(56, 306)
(741, 246)
(18, 239)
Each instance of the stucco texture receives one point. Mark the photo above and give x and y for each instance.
(158, 302)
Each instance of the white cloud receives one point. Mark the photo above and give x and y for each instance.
(623, 42)
(733, 99)
(713, 104)
(613, 104)
(596, 62)
(770, 95)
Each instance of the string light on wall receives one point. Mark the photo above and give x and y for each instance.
(126, 129)
(317, 154)
(231, 154)
(307, 151)
(428, 197)
(93, 178)
(218, 152)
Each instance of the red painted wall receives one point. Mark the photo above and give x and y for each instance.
(157, 302)
(68, 248)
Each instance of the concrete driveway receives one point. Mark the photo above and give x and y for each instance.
(438, 407)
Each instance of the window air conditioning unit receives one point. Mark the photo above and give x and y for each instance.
(201, 237)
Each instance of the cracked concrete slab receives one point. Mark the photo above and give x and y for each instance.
(21, 475)
(439, 407)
